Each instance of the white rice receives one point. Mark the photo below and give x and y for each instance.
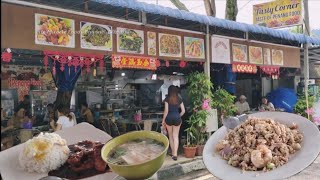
(44, 153)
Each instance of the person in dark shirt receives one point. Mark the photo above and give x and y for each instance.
(25, 104)
(172, 118)
(49, 116)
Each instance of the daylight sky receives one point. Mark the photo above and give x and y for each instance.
(244, 6)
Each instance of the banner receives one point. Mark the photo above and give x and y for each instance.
(220, 50)
(133, 62)
(278, 13)
(244, 68)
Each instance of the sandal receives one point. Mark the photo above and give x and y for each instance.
(174, 158)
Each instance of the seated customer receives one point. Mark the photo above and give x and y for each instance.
(242, 105)
(266, 106)
(17, 119)
(66, 119)
(86, 113)
(49, 114)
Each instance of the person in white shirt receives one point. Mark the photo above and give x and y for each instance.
(242, 105)
(266, 106)
(66, 119)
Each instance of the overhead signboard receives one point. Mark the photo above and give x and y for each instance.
(279, 13)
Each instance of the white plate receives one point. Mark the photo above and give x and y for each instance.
(301, 159)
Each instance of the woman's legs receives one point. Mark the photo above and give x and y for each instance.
(170, 134)
(175, 132)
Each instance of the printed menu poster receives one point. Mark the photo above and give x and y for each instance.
(277, 57)
(266, 56)
(95, 36)
(239, 53)
(152, 51)
(170, 45)
(255, 55)
(220, 50)
(194, 48)
(130, 41)
(54, 31)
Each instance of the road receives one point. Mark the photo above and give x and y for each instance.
(196, 175)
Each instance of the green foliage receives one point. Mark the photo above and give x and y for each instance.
(301, 105)
(199, 89)
(224, 103)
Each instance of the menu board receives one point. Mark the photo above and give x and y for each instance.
(277, 57)
(194, 48)
(220, 50)
(54, 31)
(130, 41)
(239, 53)
(170, 45)
(95, 36)
(266, 56)
(152, 49)
(255, 55)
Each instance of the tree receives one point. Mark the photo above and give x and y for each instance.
(231, 10)
(179, 5)
(210, 6)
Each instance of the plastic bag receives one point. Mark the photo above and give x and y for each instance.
(163, 130)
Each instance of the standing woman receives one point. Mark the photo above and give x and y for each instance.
(66, 119)
(172, 118)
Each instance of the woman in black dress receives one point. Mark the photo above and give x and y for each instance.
(172, 118)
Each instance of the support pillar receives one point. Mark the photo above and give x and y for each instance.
(208, 58)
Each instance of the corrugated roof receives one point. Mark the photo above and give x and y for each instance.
(208, 20)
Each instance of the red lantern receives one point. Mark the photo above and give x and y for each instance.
(6, 56)
(182, 64)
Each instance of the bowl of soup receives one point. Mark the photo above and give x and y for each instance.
(136, 155)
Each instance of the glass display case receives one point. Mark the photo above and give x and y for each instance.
(9, 100)
(39, 101)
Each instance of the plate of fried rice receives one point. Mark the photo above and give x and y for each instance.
(267, 146)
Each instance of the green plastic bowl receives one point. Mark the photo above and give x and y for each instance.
(138, 171)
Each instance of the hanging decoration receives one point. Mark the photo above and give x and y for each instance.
(73, 59)
(272, 71)
(134, 62)
(6, 56)
(182, 64)
(244, 68)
